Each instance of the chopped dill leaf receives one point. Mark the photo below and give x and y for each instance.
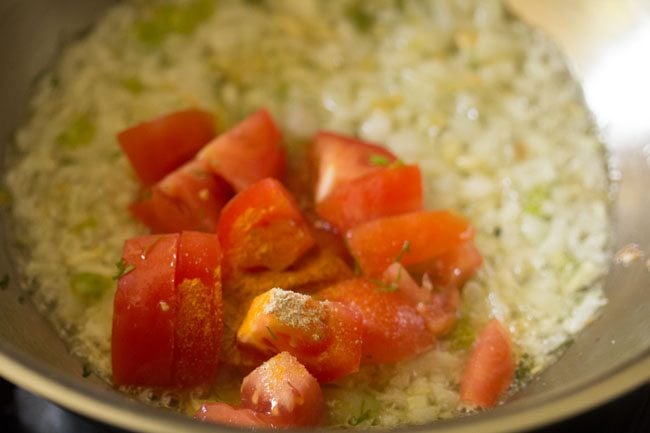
(123, 268)
(406, 247)
(379, 160)
(383, 286)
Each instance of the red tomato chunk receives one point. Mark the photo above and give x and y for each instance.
(262, 228)
(248, 152)
(189, 198)
(392, 328)
(413, 238)
(490, 368)
(385, 192)
(279, 393)
(157, 147)
(340, 159)
(284, 389)
(223, 413)
(326, 337)
(167, 311)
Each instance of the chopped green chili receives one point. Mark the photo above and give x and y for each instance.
(123, 268)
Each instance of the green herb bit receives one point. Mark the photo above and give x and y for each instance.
(406, 247)
(4, 281)
(133, 85)
(123, 268)
(359, 16)
(535, 199)
(524, 370)
(351, 407)
(383, 286)
(89, 286)
(79, 133)
(363, 416)
(165, 19)
(463, 335)
(272, 334)
(88, 223)
(86, 370)
(379, 160)
(55, 82)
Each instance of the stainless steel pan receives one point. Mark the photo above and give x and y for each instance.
(608, 43)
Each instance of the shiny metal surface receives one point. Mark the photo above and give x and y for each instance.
(607, 42)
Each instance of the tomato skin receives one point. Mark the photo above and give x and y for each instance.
(414, 238)
(345, 345)
(381, 193)
(340, 159)
(490, 368)
(392, 328)
(222, 413)
(160, 145)
(167, 311)
(262, 228)
(283, 389)
(145, 300)
(198, 326)
(189, 198)
(328, 343)
(248, 152)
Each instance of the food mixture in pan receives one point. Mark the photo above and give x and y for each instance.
(349, 213)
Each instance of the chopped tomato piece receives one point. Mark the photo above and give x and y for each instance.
(262, 228)
(324, 336)
(283, 389)
(167, 311)
(438, 307)
(223, 413)
(157, 147)
(455, 267)
(490, 368)
(316, 269)
(248, 152)
(382, 193)
(282, 318)
(392, 328)
(144, 312)
(340, 159)
(397, 276)
(344, 351)
(440, 313)
(189, 198)
(411, 239)
(331, 242)
(198, 326)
